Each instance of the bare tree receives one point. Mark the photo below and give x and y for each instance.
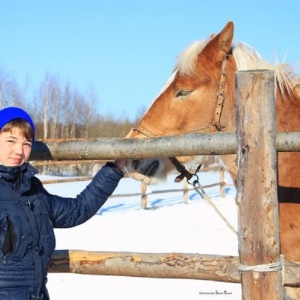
(48, 100)
(90, 111)
(61, 111)
(10, 92)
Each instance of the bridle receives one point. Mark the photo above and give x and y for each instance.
(214, 126)
(220, 97)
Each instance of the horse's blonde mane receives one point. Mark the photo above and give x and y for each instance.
(246, 58)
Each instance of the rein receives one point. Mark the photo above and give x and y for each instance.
(184, 173)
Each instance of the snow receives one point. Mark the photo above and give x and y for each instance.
(167, 225)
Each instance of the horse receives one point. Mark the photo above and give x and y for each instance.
(199, 96)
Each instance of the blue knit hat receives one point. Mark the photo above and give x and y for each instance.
(11, 113)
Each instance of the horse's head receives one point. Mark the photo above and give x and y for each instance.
(198, 97)
(187, 103)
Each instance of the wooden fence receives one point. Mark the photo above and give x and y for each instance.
(186, 187)
(257, 254)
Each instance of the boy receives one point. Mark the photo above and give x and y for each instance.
(28, 213)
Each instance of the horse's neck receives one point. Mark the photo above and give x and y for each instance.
(287, 114)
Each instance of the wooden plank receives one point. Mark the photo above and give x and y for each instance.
(258, 228)
(158, 265)
(179, 145)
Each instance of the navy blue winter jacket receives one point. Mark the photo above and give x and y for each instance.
(28, 214)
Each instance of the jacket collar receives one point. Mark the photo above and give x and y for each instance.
(18, 177)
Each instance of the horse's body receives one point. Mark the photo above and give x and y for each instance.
(204, 72)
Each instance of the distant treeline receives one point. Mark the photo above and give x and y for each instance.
(61, 111)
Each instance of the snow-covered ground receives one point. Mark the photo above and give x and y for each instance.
(168, 225)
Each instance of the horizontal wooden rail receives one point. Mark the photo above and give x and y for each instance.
(177, 145)
(159, 265)
(168, 191)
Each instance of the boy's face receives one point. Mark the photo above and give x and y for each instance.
(14, 148)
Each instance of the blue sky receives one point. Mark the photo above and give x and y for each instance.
(126, 49)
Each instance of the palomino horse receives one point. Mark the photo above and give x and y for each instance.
(200, 97)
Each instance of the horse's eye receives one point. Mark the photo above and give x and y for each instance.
(183, 93)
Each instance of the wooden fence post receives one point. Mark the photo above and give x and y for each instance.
(259, 246)
(222, 183)
(144, 197)
(185, 191)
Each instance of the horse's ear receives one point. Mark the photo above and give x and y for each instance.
(225, 38)
(220, 44)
